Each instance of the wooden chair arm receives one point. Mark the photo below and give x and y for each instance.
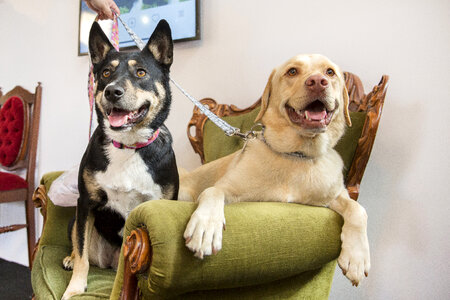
(372, 104)
(40, 200)
(137, 253)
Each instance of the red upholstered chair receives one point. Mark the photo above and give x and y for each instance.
(19, 127)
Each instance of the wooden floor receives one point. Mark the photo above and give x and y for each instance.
(15, 281)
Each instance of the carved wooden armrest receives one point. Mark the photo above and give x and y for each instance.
(372, 104)
(137, 253)
(40, 200)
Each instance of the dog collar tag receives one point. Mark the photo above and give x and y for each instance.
(137, 145)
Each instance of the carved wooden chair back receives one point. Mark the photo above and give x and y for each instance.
(19, 127)
(371, 104)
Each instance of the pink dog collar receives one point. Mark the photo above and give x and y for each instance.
(137, 145)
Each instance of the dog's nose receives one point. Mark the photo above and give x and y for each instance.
(113, 93)
(316, 82)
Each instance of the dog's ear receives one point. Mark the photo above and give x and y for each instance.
(99, 44)
(265, 97)
(160, 44)
(346, 104)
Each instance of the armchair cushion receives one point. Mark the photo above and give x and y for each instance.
(299, 239)
(48, 278)
(9, 181)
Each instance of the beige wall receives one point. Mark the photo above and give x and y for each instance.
(405, 186)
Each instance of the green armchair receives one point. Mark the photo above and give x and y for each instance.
(270, 250)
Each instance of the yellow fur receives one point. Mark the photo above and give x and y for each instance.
(265, 171)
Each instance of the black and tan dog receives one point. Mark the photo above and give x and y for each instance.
(129, 158)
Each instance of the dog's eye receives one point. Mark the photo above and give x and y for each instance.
(292, 72)
(330, 72)
(106, 73)
(141, 73)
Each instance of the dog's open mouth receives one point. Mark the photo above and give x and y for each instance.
(313, 116)
(123, 118)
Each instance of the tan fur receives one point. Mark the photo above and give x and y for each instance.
(156, 102)
(102, 50)
(101, 253)
(79, 262)
(155, 51)
(91, 185)
(115, 63)
(264, 172)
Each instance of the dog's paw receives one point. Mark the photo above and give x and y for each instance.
(203, 233)
(68, 263)
(354, 259)
(73, 289)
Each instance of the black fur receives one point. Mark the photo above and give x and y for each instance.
(158, 157)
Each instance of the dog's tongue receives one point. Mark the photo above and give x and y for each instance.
(118, 118)
(317, 115)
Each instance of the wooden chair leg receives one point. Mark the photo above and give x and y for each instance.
(129, 289)
(31, 226)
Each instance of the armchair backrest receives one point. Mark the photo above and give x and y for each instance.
(354, 147)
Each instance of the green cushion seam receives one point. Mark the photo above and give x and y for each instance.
(44, 271)
(96, 295)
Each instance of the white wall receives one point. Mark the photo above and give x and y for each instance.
(404, 188)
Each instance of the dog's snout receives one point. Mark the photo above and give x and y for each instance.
(114, 92)
(316, 83)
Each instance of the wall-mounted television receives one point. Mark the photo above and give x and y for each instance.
(142, 16)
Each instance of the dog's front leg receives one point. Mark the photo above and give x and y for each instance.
(354, 259)
(80, 239)
(203, 232)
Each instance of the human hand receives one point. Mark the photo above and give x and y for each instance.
(103, 8)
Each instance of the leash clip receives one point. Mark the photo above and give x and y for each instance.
(249, 135)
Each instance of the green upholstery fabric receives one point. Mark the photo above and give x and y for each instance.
(346, 146)
(313, 284)
(48, 278)
(300, 238)
(216, 144)
(58, 218)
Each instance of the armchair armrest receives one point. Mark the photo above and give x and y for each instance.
(263, 243)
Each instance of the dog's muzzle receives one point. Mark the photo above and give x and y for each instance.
(314, 116)
(121, 118)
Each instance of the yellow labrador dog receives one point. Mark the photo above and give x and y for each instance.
(304, 112)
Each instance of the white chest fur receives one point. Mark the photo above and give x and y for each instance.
(126, 180)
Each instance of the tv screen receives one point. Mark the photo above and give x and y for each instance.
(142, 16)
